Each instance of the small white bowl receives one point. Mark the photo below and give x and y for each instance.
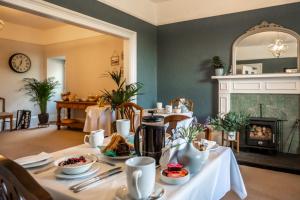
(174, 181)
(76, 168)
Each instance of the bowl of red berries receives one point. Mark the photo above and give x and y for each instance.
(175, 174)
(75, 164)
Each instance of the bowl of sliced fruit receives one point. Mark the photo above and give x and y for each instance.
(75, 164)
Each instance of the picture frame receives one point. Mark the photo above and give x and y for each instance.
(249, 69)
(115, 60)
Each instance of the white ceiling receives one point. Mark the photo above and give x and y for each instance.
(26, 19)
(159, 1)
(159, 12)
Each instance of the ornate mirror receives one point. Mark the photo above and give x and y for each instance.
(266, 48)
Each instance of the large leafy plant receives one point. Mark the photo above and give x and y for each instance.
(40, 92)
(231, 121)
(123, 93)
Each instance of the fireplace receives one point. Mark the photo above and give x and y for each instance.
(263, 133)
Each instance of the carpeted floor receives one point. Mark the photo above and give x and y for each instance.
(27, 142)
(261, 184)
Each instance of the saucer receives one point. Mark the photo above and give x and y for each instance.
(58, 173)
(122, 193)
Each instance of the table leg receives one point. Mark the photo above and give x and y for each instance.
(11, 122)
(3, 125)
(222, 138)
(58, 118)
(69, 113)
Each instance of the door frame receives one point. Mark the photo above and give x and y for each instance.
(56, 12)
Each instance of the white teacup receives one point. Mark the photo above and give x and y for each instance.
(123, 127)
(169, 109)
(140, 177)
(159, 105)
(96, 138)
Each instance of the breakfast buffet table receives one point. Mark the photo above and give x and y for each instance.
(101, 117)
(218, 175)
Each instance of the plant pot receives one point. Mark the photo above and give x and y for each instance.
(192, 158)
(43, 118)
(231, 135)
(219, 71)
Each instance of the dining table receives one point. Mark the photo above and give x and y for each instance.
(219, 175)
(101, 118)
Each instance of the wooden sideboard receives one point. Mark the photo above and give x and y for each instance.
(71, 105)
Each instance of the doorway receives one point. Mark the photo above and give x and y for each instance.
(52, 11)
(56, 69)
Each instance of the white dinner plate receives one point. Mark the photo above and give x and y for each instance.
(58, 173)
(38, 164)
(216, 146)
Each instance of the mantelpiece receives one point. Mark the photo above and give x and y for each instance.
(255, 84)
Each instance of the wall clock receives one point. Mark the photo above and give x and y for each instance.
(19, 62)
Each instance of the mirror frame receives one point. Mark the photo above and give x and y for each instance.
(264, 27)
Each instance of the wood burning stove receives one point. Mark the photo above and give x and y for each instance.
(263, 133)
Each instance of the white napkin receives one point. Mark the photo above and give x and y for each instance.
(184, 123)
(208, 143)
(33, 158)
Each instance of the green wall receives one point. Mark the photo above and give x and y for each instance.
(146, 41)
(185, 48)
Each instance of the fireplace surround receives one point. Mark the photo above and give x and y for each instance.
(279, 94)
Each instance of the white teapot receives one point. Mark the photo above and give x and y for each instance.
(96, 138)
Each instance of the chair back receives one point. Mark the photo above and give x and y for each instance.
(17, 183)
(2, 101)
(129, 110)
(172, 120)
(188, 103)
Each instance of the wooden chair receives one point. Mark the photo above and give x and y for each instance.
(172, 120)
(189, 103)
(231, 143)
(5, 115)
(130, 112)
(17, 183)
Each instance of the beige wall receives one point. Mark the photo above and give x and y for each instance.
(86, 62)
(11, 82)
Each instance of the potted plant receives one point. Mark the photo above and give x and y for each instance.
(217, 64)
(40, 92)
(190, 156)
(230, 123)
(123, 93)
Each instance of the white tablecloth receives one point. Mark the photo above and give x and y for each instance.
(97, 118)
(219, 175)
(101, 118)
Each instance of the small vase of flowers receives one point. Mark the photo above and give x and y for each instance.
(190, 156)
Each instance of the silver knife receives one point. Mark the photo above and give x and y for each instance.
(73, 187)
(106, 162)
(85, 186)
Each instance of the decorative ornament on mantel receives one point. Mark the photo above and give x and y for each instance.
(278, 48)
